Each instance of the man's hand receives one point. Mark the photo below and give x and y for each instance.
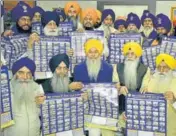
(84, 96)
(123, 90)
(76, 86)
(81, 30)
(70, 53)
(40, 99)
(144, 90)
(34, 37)
(169, 96)
(155, 42)
(8, 33)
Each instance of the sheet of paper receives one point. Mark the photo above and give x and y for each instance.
(65, 133)
(99, 120)
(145, 133)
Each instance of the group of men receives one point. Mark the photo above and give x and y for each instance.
(130, 76)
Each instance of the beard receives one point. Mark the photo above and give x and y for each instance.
(147, 31)
(60, 83)
(132, 31)
(93, 68)
(51, 32)
(130, 74)
(163, 78)
(74, 20)
(21, 30)
(107, 30)
(24, 92)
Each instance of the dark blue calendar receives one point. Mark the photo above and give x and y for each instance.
(102, 105)
(146, 115)
(63, 114)
(37, 28)
(116, 42)
(6, 106)
(65, 28)
(78, 39)
(47, 48)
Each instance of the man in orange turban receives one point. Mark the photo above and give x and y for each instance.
(72, 11)
(163, 81)
(131, 75)
(89, 18)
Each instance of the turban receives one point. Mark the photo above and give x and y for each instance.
(90, 12)
(133, 46)
(49, 16)
(60, 12)
(37, 9)
(93, 43)
(56, 60)
(133, 19)
(73, 4)
(147, 14)
(21, 9)
(2, 10)
(163, 21)
(120, 21)
(98, 14)
(107, 12)
(168, 59)
(24, 62)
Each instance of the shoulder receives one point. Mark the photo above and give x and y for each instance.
(80, 65)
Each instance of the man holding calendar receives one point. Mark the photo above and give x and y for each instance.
(164, 81)
(26, 99)
(131, 75)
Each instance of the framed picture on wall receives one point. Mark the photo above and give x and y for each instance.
(8, 6)
(173, 13)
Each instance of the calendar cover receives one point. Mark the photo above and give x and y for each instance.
(37, 28)
(62, 114)
(45, 50)
(116, 42)
(146, 115)
(6, 106)
(65, 28)
(78, 39)
(101, 109)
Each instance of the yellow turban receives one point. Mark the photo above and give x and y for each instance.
(93, 43)
(73, 4)
(90, 12)
(98, 14)
(168, 59)
(133, 46)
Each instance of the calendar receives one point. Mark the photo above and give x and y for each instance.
(6, 106)
(116, 42)
(101, 109)
(46, 49)
(65, 28)
(37, 28)
(62, 114)
(78, 40)
(146, 115)
(15, 47)
(149, 55)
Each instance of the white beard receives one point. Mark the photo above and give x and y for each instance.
(53, 32)
(107, 30)
(163, 78)
(24, 92)
(147, 31)
(130, 74)
(60, 83)
(93, 68)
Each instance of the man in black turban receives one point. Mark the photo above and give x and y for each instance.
(60, 81)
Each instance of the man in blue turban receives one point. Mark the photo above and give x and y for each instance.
(120, 25)
(37, 14)
(133, 23)
(21, 14)
(61, 14)
(163, 27)
(107, 19)
(26, 99)
(60, 81)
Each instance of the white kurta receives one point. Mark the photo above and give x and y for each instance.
(169, 85)
(27, 122)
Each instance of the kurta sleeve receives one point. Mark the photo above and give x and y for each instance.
(146, 79)
(115, 76)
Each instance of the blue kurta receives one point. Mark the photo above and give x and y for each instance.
(104, 76)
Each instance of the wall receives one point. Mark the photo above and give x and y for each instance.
(48, 5)
(165, 7)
